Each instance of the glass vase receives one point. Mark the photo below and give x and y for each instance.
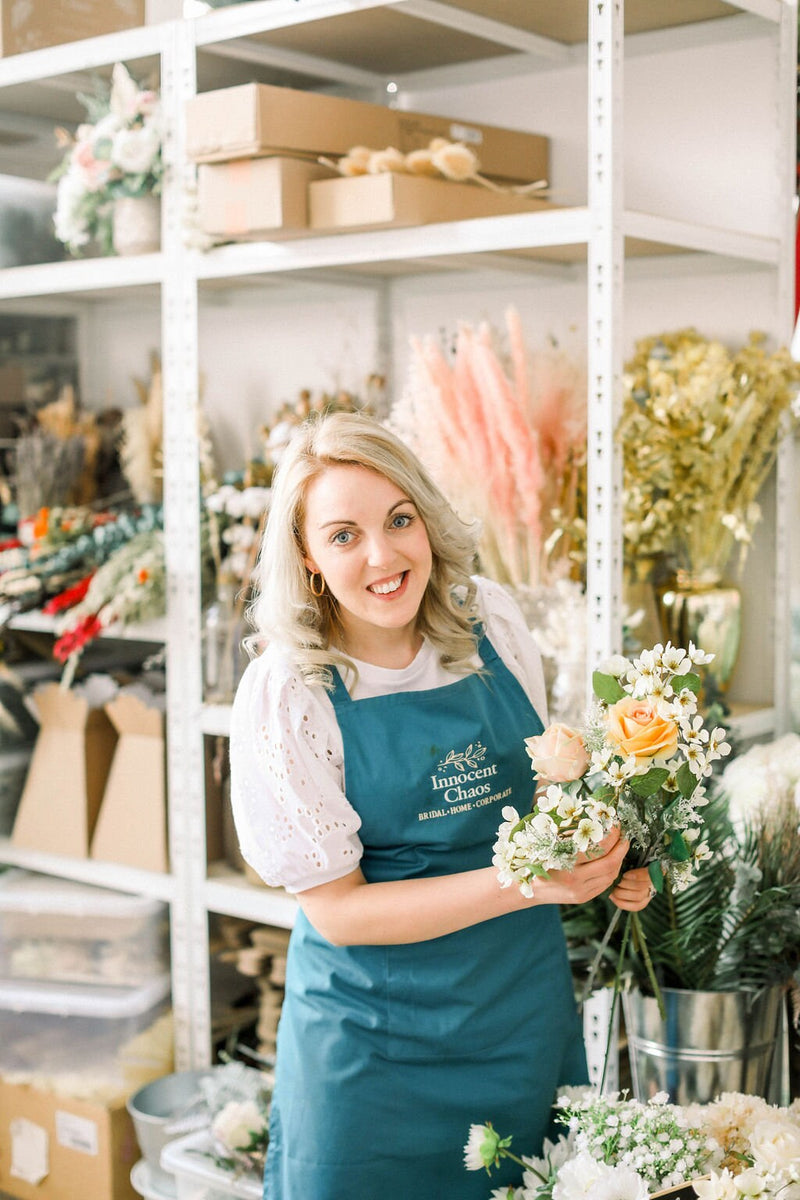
(224, 659)
(698, 607)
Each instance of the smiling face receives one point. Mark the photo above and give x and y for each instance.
(366, 538)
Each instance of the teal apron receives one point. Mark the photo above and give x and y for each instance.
(387, 1054)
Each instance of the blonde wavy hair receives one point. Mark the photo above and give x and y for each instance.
(285, 610)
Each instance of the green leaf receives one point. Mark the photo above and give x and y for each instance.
(685, 780)
(648, 785)
(678, 848)
(607, 687)
(603, 792)
(656, 875)
(692, 682)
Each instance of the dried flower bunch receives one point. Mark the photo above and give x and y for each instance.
(507, 446)
(440, 159)
(621, 1149)
(117, 152)
(699, 430)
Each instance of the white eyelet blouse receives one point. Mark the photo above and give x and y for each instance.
(295, 825)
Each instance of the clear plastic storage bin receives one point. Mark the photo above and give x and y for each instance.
(62, 931)
(67, 1029)
(196, 1176)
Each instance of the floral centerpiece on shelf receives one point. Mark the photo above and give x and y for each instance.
(640, 764)
(615, 1148)
(115, 153)
(700, 428)
(507, 446)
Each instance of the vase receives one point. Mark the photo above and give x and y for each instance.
(697, 607)
(224, 658)
(136, 224)
(707, 1043)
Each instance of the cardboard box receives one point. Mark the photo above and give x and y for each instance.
(132, 824)
(255, 119)
(55, 1148)
(252, 199)
(67, 776)
(33, 24)
(389, 199)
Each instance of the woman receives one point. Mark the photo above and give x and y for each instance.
(374, 742)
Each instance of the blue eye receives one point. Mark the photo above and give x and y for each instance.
(341, 538)
(402, 520)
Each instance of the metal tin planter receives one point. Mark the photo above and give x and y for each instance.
(710, 1042)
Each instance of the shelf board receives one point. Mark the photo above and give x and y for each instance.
(557, 236)
(747, 721)
(36, 621)
(215, 720)
(86, 870)
(82, 277)
(228, 892)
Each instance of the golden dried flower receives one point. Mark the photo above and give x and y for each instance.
(455, 161)
(389, 159)
(356, 161)
(700, 429)
(420, 162)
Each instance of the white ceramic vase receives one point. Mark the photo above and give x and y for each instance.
(137, 224)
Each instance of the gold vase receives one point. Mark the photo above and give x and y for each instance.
(698, 607)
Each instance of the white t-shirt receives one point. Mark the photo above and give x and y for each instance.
(296, 827)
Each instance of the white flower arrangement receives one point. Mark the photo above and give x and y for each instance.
(617, 1148)
(758, 780)
(237, 514)
(117, 152)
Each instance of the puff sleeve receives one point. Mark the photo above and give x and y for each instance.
(295, 826)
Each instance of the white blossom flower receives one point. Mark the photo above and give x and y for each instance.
(136, 151)
(235, 1124)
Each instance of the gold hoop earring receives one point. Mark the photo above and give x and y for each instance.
(312, 577)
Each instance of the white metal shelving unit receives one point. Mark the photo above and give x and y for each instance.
(357, 47)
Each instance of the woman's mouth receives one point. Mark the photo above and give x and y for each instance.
(388, 587)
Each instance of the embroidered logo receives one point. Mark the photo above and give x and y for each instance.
(455, 761)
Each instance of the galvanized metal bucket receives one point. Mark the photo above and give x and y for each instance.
(710, 1042)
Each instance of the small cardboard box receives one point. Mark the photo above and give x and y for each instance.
(389, 199)
(35, 24)
(67, 775)
(132, 825)
(256, 198)
(257, 119)
(55, 1148)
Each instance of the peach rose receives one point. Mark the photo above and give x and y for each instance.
(636, 728)
(558, 754)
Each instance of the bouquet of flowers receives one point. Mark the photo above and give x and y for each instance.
(616, 1148)
(237, 1099)
(640, 764)
(117, 152)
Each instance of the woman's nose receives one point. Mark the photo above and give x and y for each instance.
(379, 551)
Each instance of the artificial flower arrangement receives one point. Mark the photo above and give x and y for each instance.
(440, 159)
(640, 764)
(506, 443)
(115, 153)
(236, 1101)
(700, 428)
(617, 1148)
(61, 549)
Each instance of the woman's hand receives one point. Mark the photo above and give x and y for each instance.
(634, 890)
(589, 877)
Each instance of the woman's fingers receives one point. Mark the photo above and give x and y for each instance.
(634, 891)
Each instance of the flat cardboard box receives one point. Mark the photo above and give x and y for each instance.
(132, 824)
(84, 1150)
(252, 199)
(255, 119)
(389, 199)
(34, 24)
(67, 776)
